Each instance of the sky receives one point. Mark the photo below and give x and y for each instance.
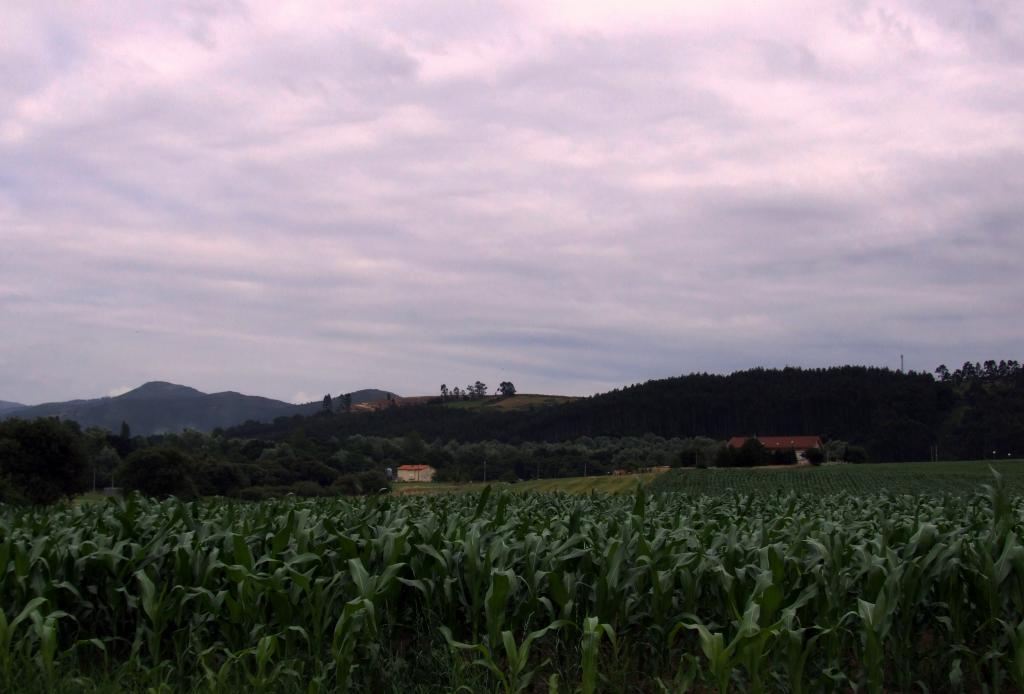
(573, 196)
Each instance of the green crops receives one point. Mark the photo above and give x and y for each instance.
(516, 593)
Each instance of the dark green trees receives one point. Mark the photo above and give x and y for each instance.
(41, 460)
(159, 472)
(814, 456)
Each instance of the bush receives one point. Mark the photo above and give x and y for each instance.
(42, 460)
(369, 482)
(10, 494)
(302, 488)
(687, 458)
(159, 472)
(751, 454)
(814, 456)
(783, 457)
(856, 454)
(725, 457)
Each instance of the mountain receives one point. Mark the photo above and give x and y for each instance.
(5, 406)
(160, 407)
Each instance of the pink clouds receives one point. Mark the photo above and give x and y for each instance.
(596, 193)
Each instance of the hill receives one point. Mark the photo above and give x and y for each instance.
(160, 407)
(898, 416)
(519, 401)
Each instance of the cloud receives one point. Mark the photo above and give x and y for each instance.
(570, 196)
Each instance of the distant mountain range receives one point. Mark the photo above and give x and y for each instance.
(160, 407)
(4, 406)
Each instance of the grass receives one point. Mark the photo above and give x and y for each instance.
(944, 477)
(509, 404)
(90, 497)
(406, 488)
(613, 484)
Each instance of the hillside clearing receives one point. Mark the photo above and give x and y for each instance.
(516, 402)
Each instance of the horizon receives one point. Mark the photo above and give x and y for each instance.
(309, 399)
(568, 196)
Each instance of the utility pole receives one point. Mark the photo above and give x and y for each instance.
(485, 470)
(901, 363)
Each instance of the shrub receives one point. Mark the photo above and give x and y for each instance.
(814, 456)
(856, 454)
(369, 482)
(687, 458)
(783, 457)
(751, 454)
(302, 488)
(10, 494)
(725, 457)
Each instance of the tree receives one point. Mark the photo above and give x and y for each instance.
(348, 402)
(159, 472)
(506, 388)
(444, 391)
(42, 460)
(328, 405)
(942, 372)
(103, 464)
(814, 456)
(751, 454)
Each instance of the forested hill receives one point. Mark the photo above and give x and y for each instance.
(898, 416)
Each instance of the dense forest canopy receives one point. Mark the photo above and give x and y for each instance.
(897, 416)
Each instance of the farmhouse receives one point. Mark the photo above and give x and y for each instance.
(416, 473)
(797, 444)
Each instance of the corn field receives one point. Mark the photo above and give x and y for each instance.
(517, 593)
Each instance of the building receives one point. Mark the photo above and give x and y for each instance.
(797, 444)
(416, 473)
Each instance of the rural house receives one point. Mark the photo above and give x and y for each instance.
(797, 444)
(416, 473)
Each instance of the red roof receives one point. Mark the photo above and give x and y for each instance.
(796, 443)
(413, 468)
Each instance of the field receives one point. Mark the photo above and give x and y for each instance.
(514, 592)
(938, 478)
(614, 484)
(946, 477)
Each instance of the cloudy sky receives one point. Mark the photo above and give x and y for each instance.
(571, 196)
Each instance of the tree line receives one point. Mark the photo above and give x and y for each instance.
(475, 391)
(893, 415)
(45, 460)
